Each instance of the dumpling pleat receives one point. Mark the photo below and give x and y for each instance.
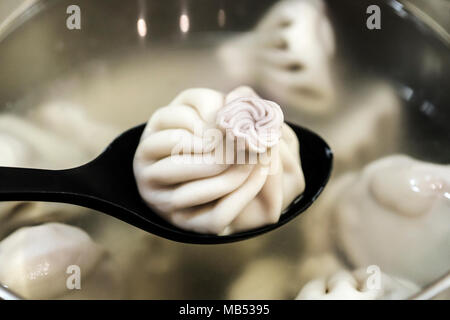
(267, 205)
(206, 101)
(214, 218)
(177, 169)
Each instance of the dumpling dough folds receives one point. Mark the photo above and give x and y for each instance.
(214, 197)
(395, 204)
(288, 55)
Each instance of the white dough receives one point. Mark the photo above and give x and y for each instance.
(34, 261)
(22, 143)
(12, 151)
(288, 55)
(71, 122)
(14, 215)
(202, 192)
(357, 285)
(395, 213)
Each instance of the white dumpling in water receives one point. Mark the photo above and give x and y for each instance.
(73, 123)
(396, 214)
(24, 144)
(357, 285)
(288, 55)
(16, 214)
(197, 185)
(35, 262)
(13, 152)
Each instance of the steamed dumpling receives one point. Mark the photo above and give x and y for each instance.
(288, 55)
(357, 285)
(184, 169)
(34, 263)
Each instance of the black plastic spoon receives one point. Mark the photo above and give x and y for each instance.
(107, 184)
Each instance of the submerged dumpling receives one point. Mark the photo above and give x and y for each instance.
(24, 144)
(13, 152)
(395, 204)
(74, 124)
(357, 285)
(377, 215)
(35, 262)
(14, 215)
(288, 55)
(214, 163)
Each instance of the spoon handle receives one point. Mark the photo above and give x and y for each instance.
(20, 184)
(87, 186)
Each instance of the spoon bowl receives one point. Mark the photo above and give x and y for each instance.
(107, 184)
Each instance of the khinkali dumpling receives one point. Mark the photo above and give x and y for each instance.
(357, 285)
(288, 55)
(16, 214)
(204, 189)
(12, 151)
(23, 143)
(377, 215)
(74, 124)
(34, 263)
(395, 204)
